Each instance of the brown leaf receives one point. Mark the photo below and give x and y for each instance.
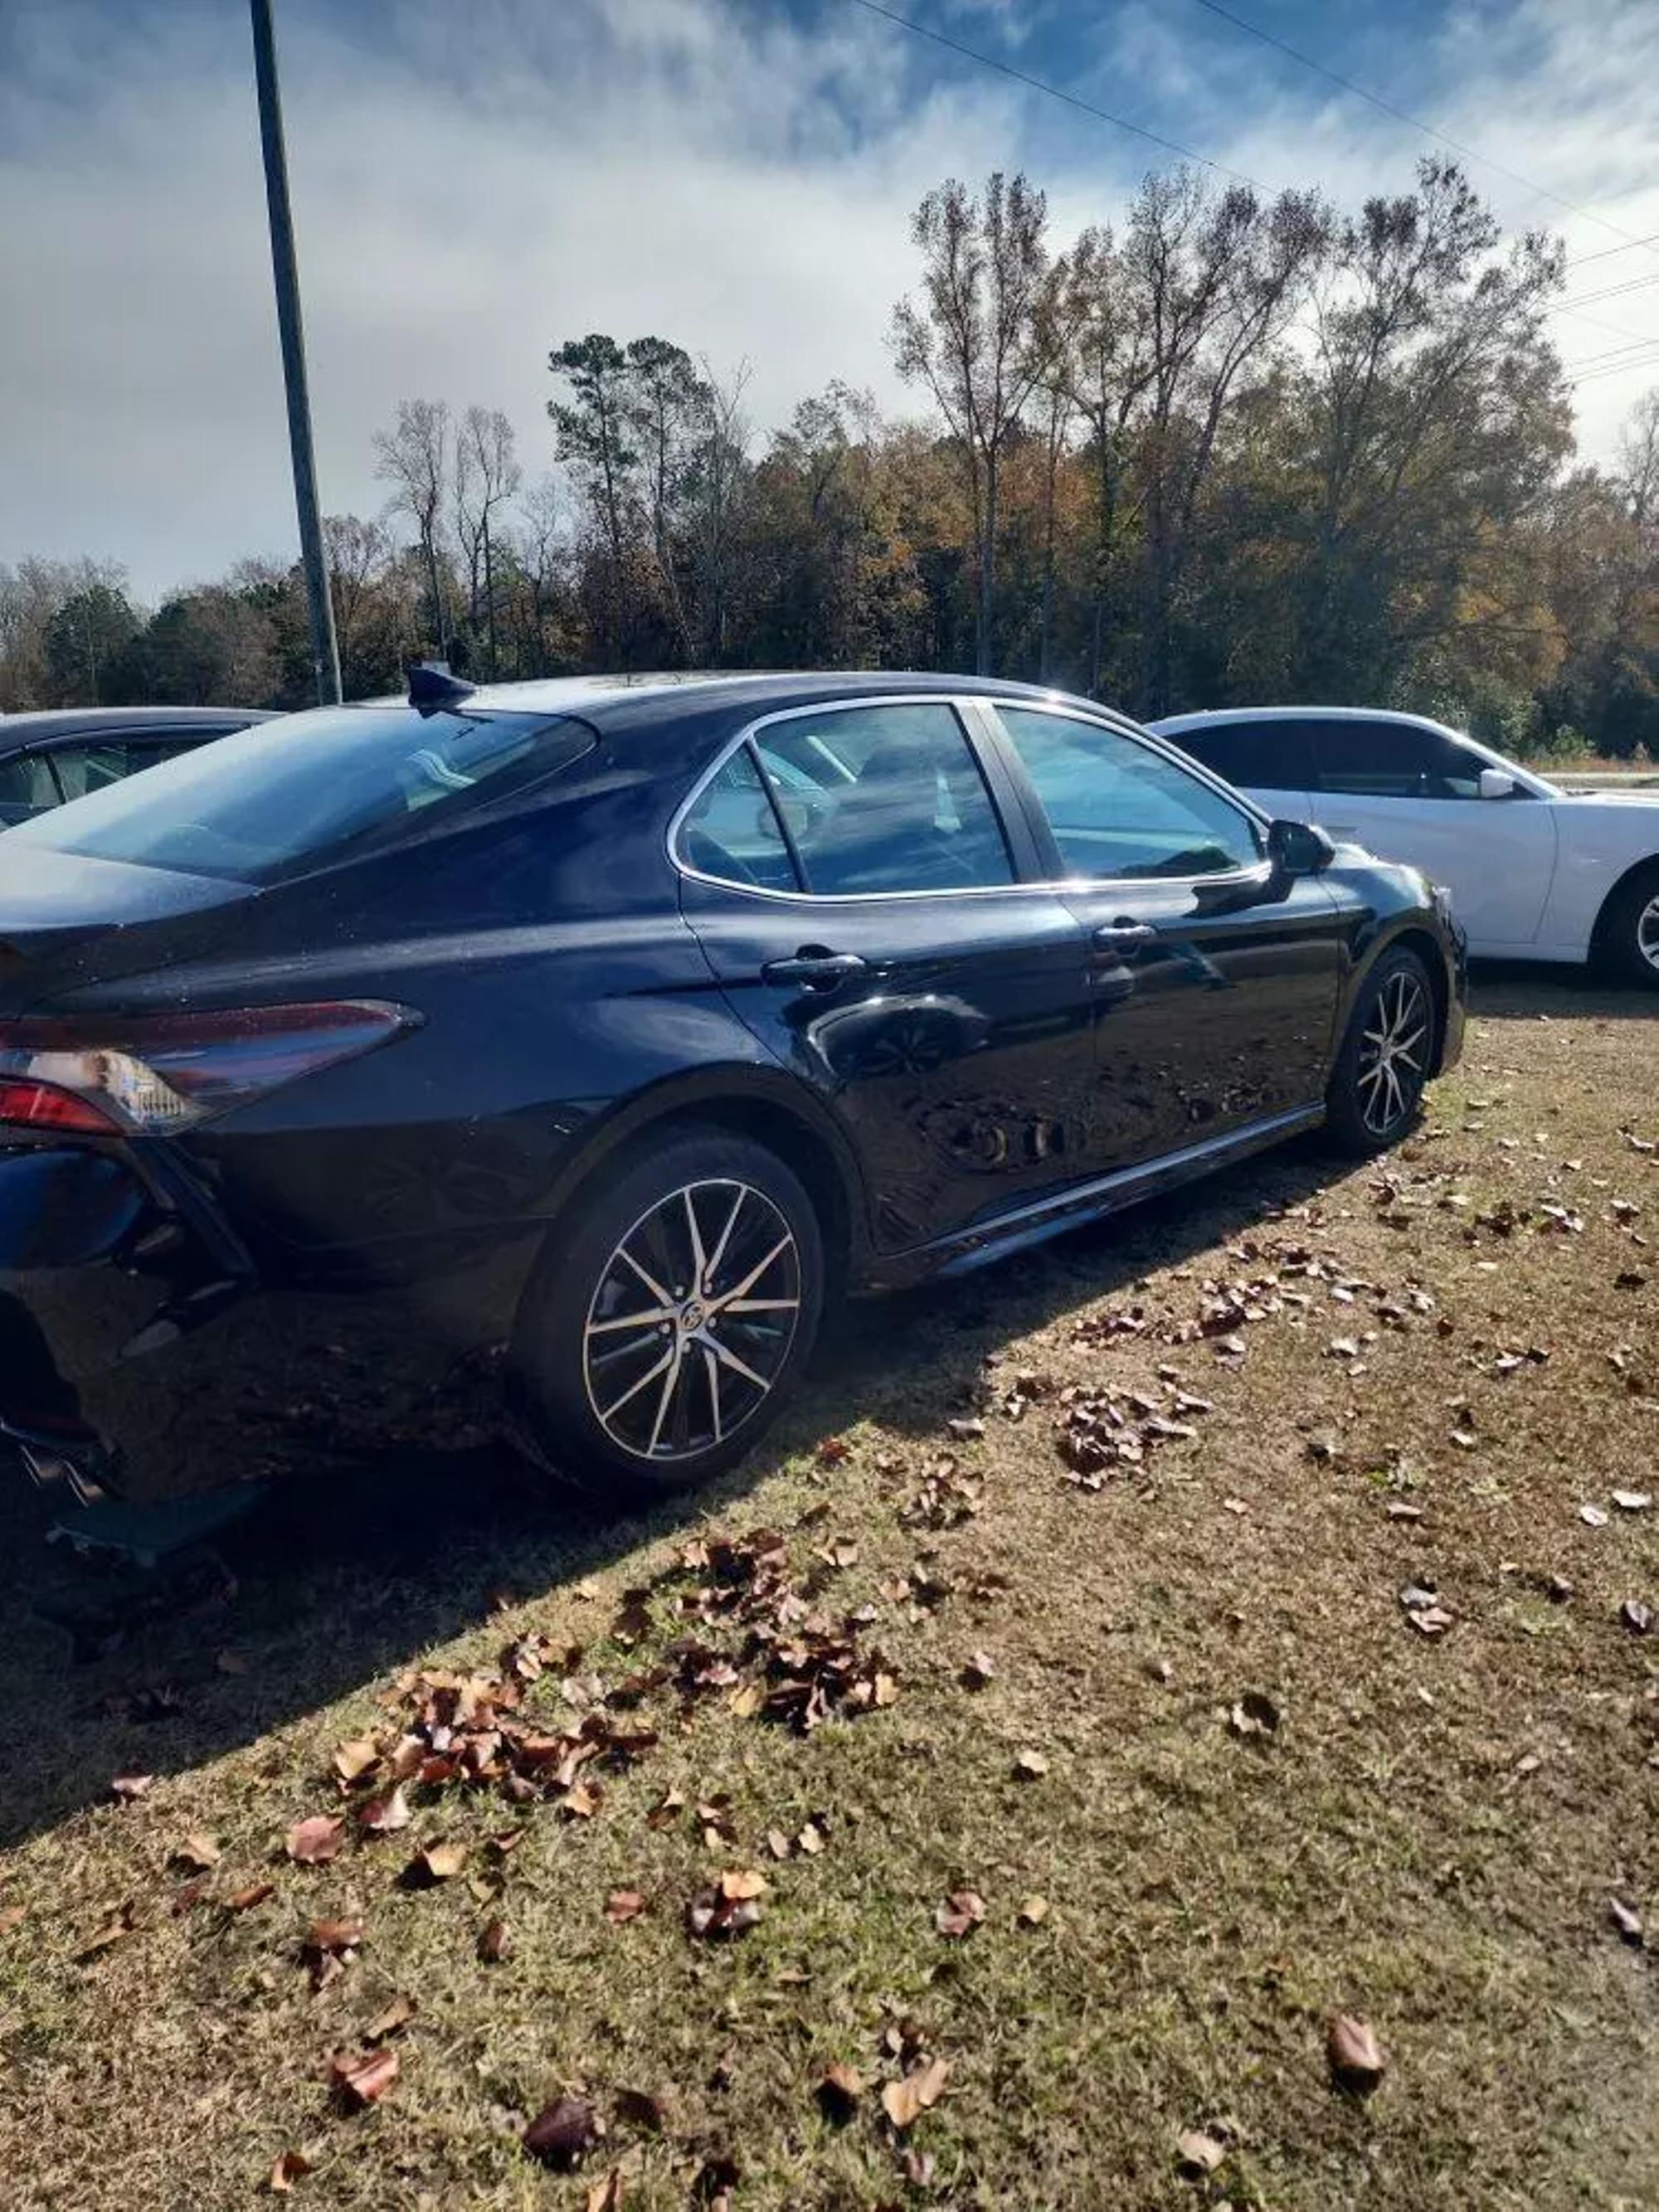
(640, 2109)
(495, 1943)
(606, 2196)
(353, 1760)
(1357, 2059)
(1030, 1765)
(1033, 1912)
(384, 1816)
(198, 1852)
(729, 1906)
(1255, 1714)
(256, 1893)
(905, 2102)
(961, 1913)
(1627, 1920)
(979, 1670)
(360, 2078)
(120, 1926)
(127, 1789)
(838, 2091)
(562, 2132)
(316, 1841)
(12, 1916)
(324, 1935)
(624, 1905)
(289, 2168)
(438, 1862)
(397, 2014)
(738, 1884)
(1197, 2154)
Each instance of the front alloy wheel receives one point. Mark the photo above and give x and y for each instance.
(692, 1321)
(1393, 1062)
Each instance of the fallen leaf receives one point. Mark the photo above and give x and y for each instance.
(1197, 2154)
(562, 2132)
(906, 2101)
(353, 1760)
(1357, 2059)
(729, 1906)
(439, 1861)
(384, 1816)
(624, 1905)
(495, 1943)
(12, 1916)
(1627, 1920)
(961, 1913)
(1030, 1765)
(606, 2196)
(316, 1841)
(397, 2014)
(1636, 1616)
(979, 1670)
(361, 2078)
(839, 2090)
(256, 1893)
(640, 2109)
(1033, 1912)
(1631, 1501)
(1255, 1714)
(334, 1935)
(198, 1851)
(127, 1789)
(114, 1931)
(1592, 1516)
(287, 2169)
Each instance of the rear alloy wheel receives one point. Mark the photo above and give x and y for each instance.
(1629, 935)
(1384, 1063)
(660, 1342)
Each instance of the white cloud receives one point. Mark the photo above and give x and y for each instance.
(472, 185)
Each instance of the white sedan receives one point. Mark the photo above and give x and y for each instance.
(1535, 873)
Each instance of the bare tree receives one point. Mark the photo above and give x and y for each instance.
(487, 476)
(979, 338)
(415, 459)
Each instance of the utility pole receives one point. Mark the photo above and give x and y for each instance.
(324, 654)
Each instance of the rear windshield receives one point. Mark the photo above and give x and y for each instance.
(289, 794)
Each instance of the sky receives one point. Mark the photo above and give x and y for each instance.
(474, 183)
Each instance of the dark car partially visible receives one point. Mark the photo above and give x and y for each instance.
(620, 1027)
(48, 758)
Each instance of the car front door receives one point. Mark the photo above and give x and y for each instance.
(855, 874)
(1266, 757)
(1412, 792)
(1216, 976)
(27, 786)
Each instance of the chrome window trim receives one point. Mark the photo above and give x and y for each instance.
(956, 702)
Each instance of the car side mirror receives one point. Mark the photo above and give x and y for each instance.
(1298, 848)
(1497, 783)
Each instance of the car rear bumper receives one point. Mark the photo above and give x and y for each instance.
(129, 1351)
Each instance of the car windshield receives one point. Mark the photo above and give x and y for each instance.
(273, 800)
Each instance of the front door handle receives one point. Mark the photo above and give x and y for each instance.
(1124, 936)
(814, 968)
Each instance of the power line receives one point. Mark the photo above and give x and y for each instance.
(1054, 92)
(1612, 291)
(1602, 251)
(1428, 130)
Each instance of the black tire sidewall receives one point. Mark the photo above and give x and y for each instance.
(549, 1390)
(1621, 956)
(1345, 1121)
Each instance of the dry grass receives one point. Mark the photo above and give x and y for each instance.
(1429, 1839)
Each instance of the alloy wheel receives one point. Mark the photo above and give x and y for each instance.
(692, 1320)
(1647, 933)
(1394, 1052)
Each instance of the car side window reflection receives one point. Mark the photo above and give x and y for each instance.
(1118, 810)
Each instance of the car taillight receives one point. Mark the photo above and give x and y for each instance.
(166, 1071)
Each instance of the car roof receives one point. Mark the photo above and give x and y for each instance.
(58, 724)
(1168, 724)
(601, 698)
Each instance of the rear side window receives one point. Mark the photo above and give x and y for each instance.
(733, 832)
(873, 800)
(26, 784)
(288, 794)
(1266, 755)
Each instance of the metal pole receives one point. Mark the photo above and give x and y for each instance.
(324, 654)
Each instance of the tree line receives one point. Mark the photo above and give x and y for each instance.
(1236, 449)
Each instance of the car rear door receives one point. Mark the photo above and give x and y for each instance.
(1215, 976)
(858, 876)
(1266, 757)
(1409, 791)
(27, 786)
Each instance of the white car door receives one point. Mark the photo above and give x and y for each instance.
(1410, 792)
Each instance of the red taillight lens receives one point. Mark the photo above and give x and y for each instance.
(166, 1071)
(40, 1106)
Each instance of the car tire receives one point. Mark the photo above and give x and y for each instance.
(1376, 1086)
(1628, 937)
(632, 1394)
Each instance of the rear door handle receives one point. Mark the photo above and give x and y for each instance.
(814, 968)
(1124, 936)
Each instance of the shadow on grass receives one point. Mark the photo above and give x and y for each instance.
(344, 1576)
(1524, 990)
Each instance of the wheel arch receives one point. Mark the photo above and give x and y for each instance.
(1648, 866)
(1429, 951)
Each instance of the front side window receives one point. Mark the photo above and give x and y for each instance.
(1118, 810)
(1368, 758)
(286, 795)
(884, 798)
